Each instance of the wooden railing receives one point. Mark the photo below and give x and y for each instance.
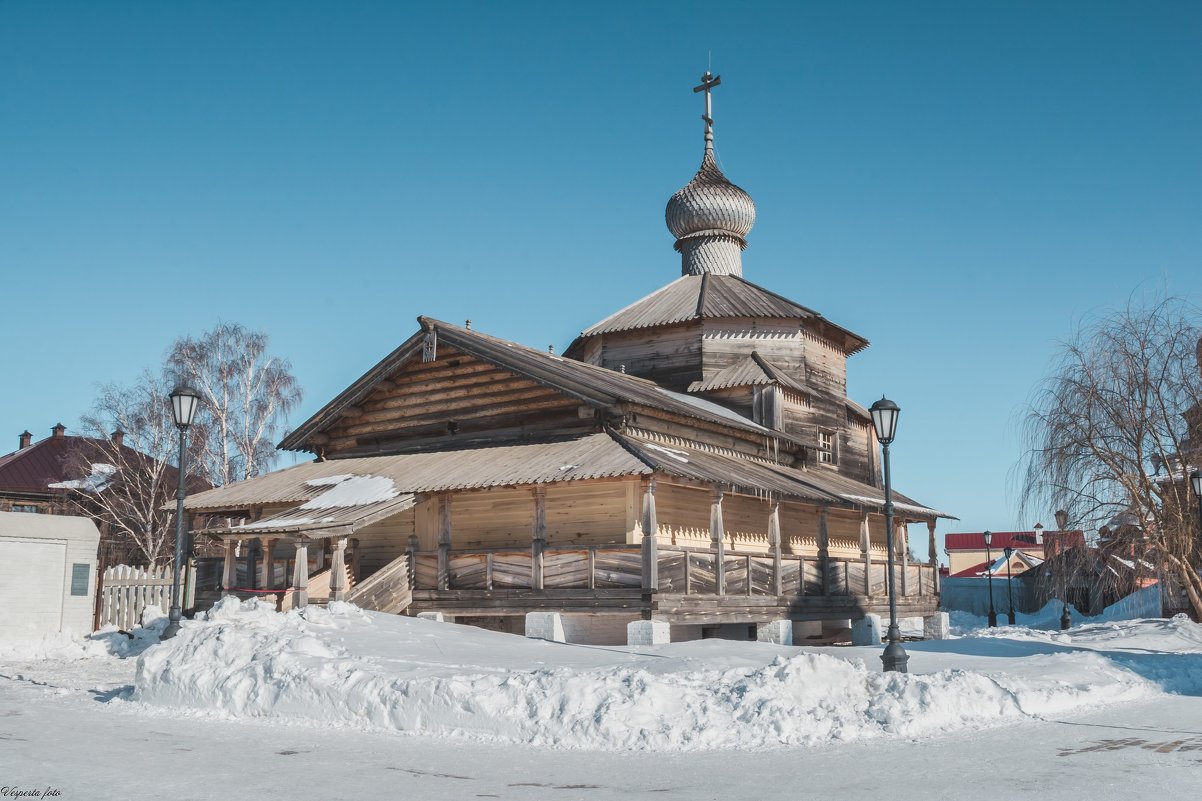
(583, 567)
(682, 571)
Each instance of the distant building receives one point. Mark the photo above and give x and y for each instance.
(27, 475)
(39, 476)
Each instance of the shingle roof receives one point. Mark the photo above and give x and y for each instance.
(595, 386)
(604, 455)
(695, 297)
(751, 370)
(756, 476)
(587, 457)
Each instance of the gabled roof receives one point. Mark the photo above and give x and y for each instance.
(708, 296)
(33, 469)
(751, 370)
(998, 567)
(594, 386)
(975, 541)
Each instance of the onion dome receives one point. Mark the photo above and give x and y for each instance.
(709, 216)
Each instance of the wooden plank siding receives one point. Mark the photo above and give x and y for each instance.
(452, 397)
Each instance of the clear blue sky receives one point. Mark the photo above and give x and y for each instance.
(961, 183)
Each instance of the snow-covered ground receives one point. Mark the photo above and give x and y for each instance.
(340, 701)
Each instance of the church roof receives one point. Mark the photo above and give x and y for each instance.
(751, 370)
(590, 456)
(708, 296)
(595, 386)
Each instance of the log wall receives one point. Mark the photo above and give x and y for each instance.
(453, 397)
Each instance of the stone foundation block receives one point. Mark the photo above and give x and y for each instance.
(936, 627)
(648, 632)
(437, 617)
(545, 626)
(866, 630)
(777, 632)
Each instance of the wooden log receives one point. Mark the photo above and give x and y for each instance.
(411, 551)
(824, 548)
(300, 574)
(266, 577)
(774, 541)
(538, 537)
(902, 541)
(338, 588)
(229, 577)
(444, 540)
(866, 552)
(650, 532)
(718, 540)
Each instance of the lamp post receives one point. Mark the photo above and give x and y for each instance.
(184, 401)
(884, 420)
(1195, 478)
(1009, 591)
(1066, 619)
(988, 535)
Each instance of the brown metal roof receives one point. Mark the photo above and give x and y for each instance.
(31, 470)
(695, 297)
(588, 457)
(751, 370)
(595, 386)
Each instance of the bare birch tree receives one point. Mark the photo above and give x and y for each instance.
(1109, 435)
(127, 482)
(246, 393)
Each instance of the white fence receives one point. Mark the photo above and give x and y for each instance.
(125, 591)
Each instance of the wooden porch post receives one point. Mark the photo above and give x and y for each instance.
(266, 577)
(824, 550)
(338, 570)
(718, 539)
(412, 550)
(774, 541)
(538, 539)
(866, 552)
(650, 531)
(900, 540)
(229, 578)
(300, 574)
(444, 541)
(934, 560)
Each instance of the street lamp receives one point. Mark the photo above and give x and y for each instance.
(1009, 592)
(988, 535)
(884, 420)
(1195, 478)
(184, 401)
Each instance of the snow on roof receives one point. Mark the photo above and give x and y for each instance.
(102, 473)
(347, 490)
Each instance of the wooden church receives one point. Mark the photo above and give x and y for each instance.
(692, 458)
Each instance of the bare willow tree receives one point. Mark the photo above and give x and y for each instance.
(246, 394)
(124, 469)
(1110, 441)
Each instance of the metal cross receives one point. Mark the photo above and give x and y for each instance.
(708, 82)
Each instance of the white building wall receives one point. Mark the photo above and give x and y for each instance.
(37, 558)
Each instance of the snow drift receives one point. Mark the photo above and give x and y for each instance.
(343, 666)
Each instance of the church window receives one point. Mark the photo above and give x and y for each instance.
(827, 447)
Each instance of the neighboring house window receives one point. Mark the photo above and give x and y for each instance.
(826, 447)
(24, 507)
